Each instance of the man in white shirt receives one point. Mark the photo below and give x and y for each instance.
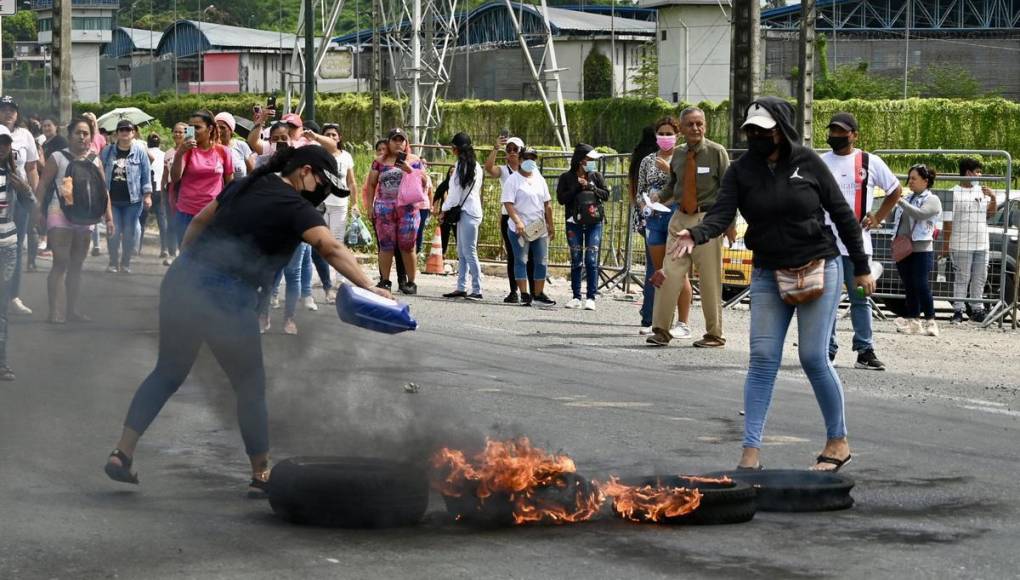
(966, 237)
(858, 173)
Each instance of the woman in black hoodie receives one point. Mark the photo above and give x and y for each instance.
(783, 190)
(582, 191)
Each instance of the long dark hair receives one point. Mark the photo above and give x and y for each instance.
(466, 161)
(282, 163)
(645, 147)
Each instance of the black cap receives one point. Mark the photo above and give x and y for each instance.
(461, 141)
(6, 137)
(845, 121)
(8, 101)
(396, 132)
(323, 162)
(125, 124)
(310, 124)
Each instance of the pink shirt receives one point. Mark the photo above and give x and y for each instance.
(202, 180)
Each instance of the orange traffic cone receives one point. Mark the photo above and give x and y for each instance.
(434, 263)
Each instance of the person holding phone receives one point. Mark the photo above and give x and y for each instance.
(202, 168)
(396, 226)
(513, 147)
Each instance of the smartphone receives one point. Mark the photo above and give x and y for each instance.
(271, 102)
(504, 133)
(189, 132)
(401, 157)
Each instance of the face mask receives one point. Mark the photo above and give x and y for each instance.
(529, 166)
(763, 146)
(838, 143)
(665, 142)
(589, 166)
(317, 195)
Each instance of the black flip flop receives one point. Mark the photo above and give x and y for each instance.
(122, 472)
(759, 467)
(258, 489)
(839, 463)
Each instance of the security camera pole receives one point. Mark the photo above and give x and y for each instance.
(309, 112)
(61, 58)
(806, 81)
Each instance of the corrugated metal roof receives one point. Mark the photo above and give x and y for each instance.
(566, 21)
(188, 37)
(659, 3)
(143, 39)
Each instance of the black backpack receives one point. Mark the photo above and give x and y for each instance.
(587, 208)
(89, 197)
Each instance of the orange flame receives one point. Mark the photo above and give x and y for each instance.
(521, 472)
(650, 503)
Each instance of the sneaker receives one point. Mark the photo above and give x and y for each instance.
(957, 318)
(526, 299)
(645, 330)
(544, 300)
(867, 360)
(910, 326)
(658, 338)
(125, 269)
(512, 298)
(475, 297)
(164, 254)
(19, 307)
(410, 288)
(589, 304)
(309, 303)
(931, 328)
(710, 341)
(574, 304)
(385, 284)
(167, 261)
(680, 330)
(290, 327)
(455, 294)
(978, 316)
(275, 303)
(111, 269)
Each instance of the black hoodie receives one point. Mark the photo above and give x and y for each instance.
(785, 205)
(568, 187)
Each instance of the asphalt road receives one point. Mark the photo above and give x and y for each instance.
(935, 495)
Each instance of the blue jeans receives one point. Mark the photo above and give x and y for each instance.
(322, 268)
(157, 210)
(657, 227)
(419, 237)
(199, 305)
(538, 251)
(126, 229)
(915, 271)
(22, 219)
(467, 253)
(860, 313)
(648, 301)
(770, 319)
(181, 222)
(298, 276)
(8, 264)
(584, 242)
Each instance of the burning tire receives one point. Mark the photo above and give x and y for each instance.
(794, 490)
(566, 495)
(722, 502)
(348, 492)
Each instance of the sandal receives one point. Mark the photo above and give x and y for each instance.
(122, 472)
(832, 460)
(258, 487)
(759, 467)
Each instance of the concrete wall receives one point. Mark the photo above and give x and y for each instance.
(694, 58)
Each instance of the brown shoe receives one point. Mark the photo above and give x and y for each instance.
(659, 337)
(710, 341)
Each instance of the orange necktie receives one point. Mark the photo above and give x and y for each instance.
(689, 203)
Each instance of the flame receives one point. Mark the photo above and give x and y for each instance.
(701, 479)
(650, 503)
(524, 474)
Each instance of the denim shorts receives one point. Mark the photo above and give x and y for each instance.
(657, 227)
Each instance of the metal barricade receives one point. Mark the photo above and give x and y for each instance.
(956, 275)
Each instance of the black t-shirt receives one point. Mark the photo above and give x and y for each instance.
(118, 179)
(255, 232)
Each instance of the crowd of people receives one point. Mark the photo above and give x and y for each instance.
(237, 215)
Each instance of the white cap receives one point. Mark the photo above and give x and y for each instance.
(516, 141)
(593, 154)
(759, 116)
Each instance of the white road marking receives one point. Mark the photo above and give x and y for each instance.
(607, 404)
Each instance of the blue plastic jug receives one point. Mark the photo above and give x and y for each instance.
(366, 309)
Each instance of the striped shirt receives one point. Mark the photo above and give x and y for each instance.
(8, 230)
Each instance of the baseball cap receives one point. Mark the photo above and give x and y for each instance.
(396, 132)
(516, 141)
(293, 119)
(593, 154)
(228, 119)
(125, 124)
(5, 134)
(8, 101)
(845, 121)
(759, 116)
(323, 162)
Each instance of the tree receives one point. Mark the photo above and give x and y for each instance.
(20, 27)
(646, 81)
(598, 76)
(947, 81)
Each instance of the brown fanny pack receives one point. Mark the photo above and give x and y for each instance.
(802, 285)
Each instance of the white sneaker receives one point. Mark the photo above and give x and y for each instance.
(19, 307)
(680, 330)
(309, 303)
(645, 330)
(911, 326)
(574, 304)
(275, 303)
(589, 304)
(931, 328)
(900, 322)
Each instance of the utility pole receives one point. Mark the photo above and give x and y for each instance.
(377, 68)
(61, 59)
(745, 58)
(309, 112)
(906, 48)
(806, 82)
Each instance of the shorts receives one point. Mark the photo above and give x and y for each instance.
(396, 226)
(657, 228)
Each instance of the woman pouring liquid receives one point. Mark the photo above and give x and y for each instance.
(209, 296)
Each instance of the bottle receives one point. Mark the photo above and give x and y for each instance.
(876, 272)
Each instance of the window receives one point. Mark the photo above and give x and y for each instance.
(80, 23)
(45, 24)
(663, 35)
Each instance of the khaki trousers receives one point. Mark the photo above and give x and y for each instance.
(708, 258)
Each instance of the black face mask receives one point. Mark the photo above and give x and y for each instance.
(317, 195)
(838, 143)
(763, 146)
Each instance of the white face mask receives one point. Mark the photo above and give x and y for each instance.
(529, 166)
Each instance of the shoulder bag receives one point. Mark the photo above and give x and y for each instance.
(802, 285)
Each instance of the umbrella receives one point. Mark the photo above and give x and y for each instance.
(135, 115)
(242, 126)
